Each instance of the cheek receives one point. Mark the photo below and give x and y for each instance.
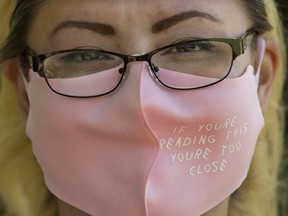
(241, 62)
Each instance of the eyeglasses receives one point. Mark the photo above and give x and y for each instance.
(185, 65)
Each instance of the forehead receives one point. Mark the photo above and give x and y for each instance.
(135, 10)
(133, 18)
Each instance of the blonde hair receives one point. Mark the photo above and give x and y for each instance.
(259, 194)
(22, 188)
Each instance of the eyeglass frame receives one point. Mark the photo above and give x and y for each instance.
(238, 46)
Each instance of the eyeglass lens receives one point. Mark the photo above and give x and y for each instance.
(92, 72)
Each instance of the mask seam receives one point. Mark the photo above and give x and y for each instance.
(143, 69)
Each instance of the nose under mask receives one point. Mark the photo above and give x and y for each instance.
(145, 149)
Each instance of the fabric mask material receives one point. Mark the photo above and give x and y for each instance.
(144, 149)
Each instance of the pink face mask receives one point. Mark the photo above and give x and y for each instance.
(144, 149)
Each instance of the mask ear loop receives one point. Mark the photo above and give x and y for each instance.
(261, 45)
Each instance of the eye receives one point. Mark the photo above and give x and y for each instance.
(84, 57)
(187, 48)
(192, 47)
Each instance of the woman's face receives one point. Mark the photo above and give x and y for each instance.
(136, 26)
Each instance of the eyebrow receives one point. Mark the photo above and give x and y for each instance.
(171, 21)
(106, 29)
(100, 28)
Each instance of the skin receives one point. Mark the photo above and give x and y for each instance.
(132, 32)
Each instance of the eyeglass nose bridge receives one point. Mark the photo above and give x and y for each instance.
(132, 58)
(145, 57)
(138, 57)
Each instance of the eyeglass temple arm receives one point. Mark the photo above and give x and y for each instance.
(245, 41)
(35, 63)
